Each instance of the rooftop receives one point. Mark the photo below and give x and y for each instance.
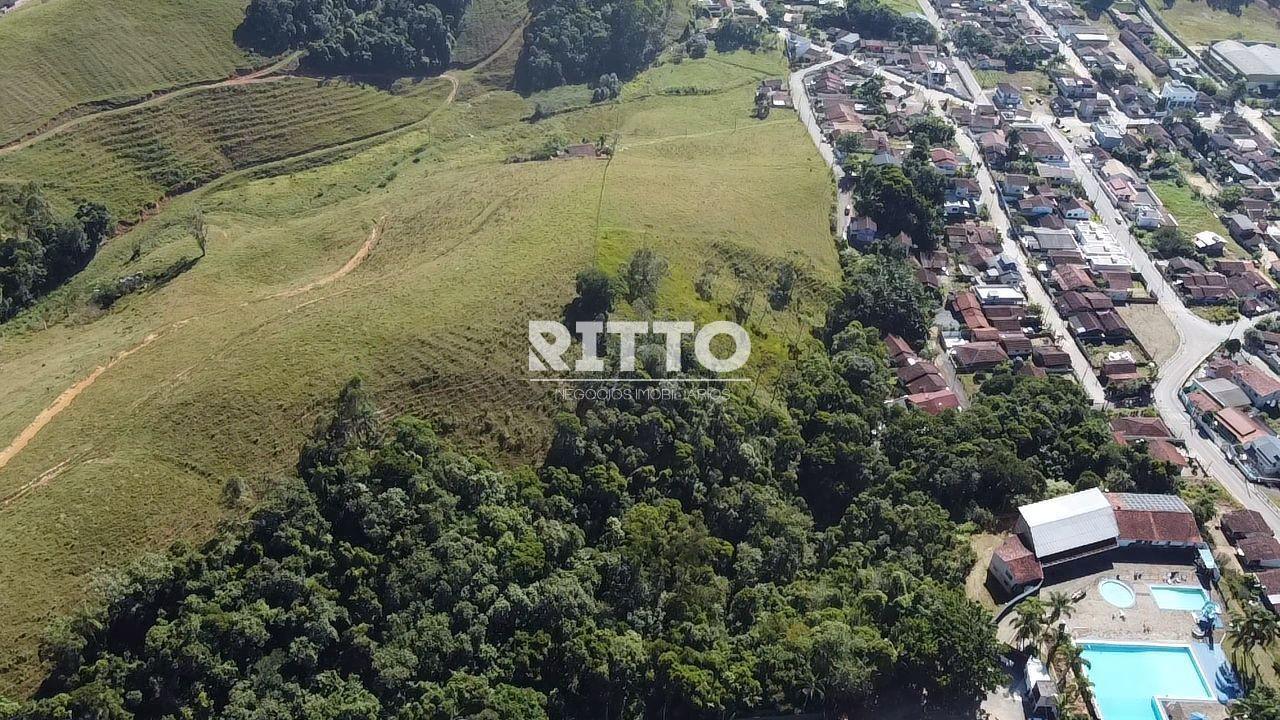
(1257, 59)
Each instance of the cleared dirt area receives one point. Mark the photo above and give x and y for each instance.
(975, 585)
(1153, 329)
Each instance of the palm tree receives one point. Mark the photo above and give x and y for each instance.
(1028, 622)
(1055, 636)
(1061, 607)
(1073, 657)
(1256, 628)
(1261, 703)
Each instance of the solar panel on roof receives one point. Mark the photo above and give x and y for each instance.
(1150, 502)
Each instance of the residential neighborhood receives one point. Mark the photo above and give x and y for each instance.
(1062, 222)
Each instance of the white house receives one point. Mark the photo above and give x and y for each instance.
(1178, 95)
(847, 43)
(1209, 242)
(1265, 454)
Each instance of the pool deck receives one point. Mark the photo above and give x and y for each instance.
(1095, 618)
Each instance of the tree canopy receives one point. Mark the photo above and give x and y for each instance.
(383, 36)
(576, 41)
(876, 19)
(38, 250)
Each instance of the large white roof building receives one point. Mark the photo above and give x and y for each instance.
(1259, 64)
(1069, 526)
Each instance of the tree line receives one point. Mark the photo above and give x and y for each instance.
(40, 250)
(359, 36)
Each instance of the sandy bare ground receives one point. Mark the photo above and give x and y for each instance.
(1152, 328)
(68, 396)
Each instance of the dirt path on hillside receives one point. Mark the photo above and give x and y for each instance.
(515, 36)
(68, 396)
(266, 74)
(356, 260)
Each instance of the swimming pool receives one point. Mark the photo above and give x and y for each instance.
(1126, 678)
(1116, 593)
(1169, 597)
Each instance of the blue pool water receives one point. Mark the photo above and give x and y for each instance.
(1126, 678)
(1116, 593)
(1169, 597)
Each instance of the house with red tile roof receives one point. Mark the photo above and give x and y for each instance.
(1240, 524)
(1136, 427)
(900, 353)
(1238, 426)
(1015, 344)
(977, 356)
(1262, 387)
(1165, 451)
(920, 377)
(1119, 371)
(1052, 358)
(1014, 567)
(1159, 520)
(1259, 552)
(1269, 581)
(934, 402)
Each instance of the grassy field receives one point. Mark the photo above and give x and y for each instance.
(232, 361)
(121, 50)
(904, 6)
(1192, 213)
(486, 24)
(1196, 23)
(1041, 89)
(132, 158)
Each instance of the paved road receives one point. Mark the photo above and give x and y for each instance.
(804, 109)
(1034, 290)
(962, 68)
(1197, 339)
(1118, 117)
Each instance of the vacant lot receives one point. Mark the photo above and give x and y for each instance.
(1041, 88)
(1194, 214)
(1153, 329)
(1196, 23)
(57, 56)
(131, 158)
(239, 362)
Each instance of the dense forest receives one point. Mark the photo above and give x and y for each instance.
(361, 36)
(39, 250)
(690, 557)
(875, 19)
(577, 41)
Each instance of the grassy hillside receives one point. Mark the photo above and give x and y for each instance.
(131, 158)
(59, 55)
(486, 24)
(232, 360)
(1199, 24)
